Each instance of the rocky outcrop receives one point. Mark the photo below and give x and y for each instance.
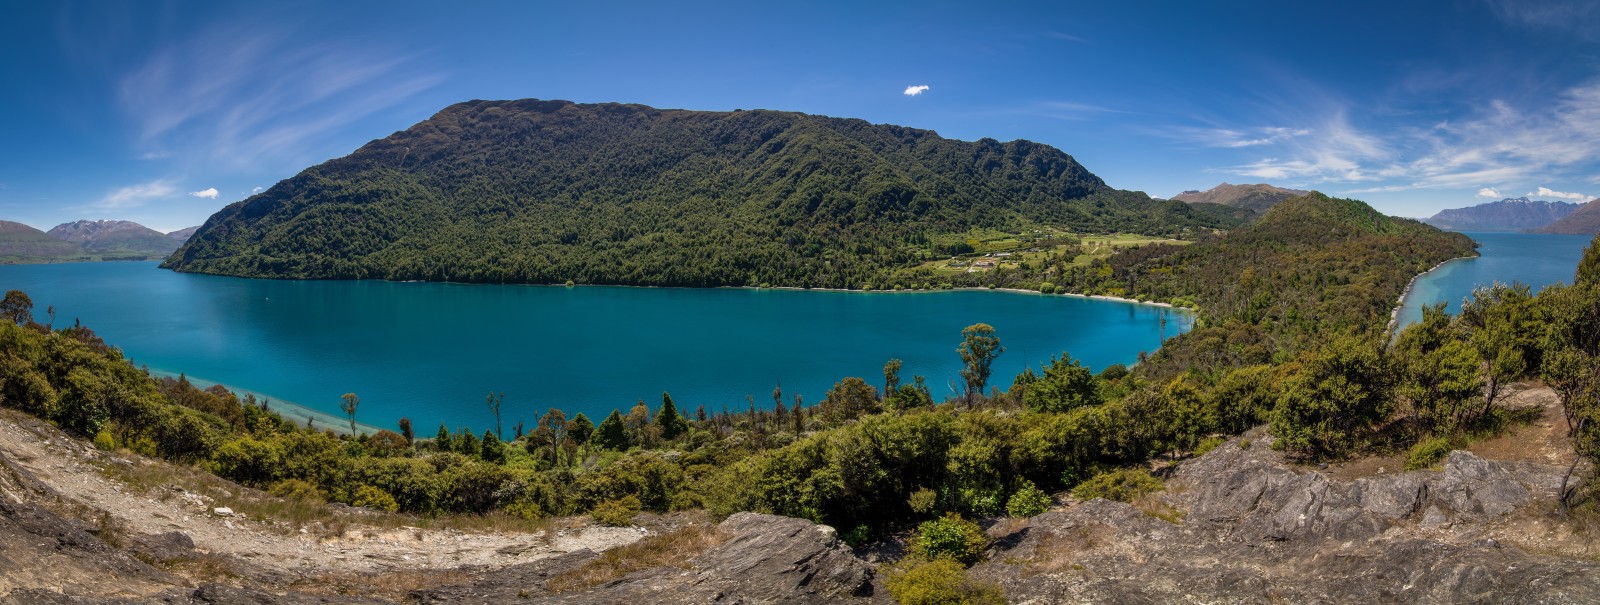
(762, 559)
(1255, 529)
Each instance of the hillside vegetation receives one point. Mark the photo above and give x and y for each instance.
(871, 460)
(549, 191)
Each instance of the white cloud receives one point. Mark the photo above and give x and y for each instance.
(255, 190)
(1497, 143)
(137, 195)
(1490, 193)
(1547, 192)
(912, 91)
(209, 193)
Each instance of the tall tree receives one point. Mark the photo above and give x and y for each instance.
(493, 401)
(581, 429)
(349, 404)
(979, 348)
(554, 424)
(1588, 266)
(16, 307)
(612, 433)
(406, 431)
(891, 377)
(671, 422)
(848, 400)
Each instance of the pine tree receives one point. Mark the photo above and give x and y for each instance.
(611, 434)
(671, 422)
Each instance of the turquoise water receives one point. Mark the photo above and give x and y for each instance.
(1537, 260)
(432, 351)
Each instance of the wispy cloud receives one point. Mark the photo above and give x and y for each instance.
(246, 97)
(1490, 193)
(1575, 16)
(1546, 192)
(1069, 37)
(255, 190)
(136, 195)
(209, 193)
(912, 91)
(1494, 144)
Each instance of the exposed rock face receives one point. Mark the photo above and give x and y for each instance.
(765, 559)
(1256, 531)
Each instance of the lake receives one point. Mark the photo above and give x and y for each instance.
(1535, 259)
(432, 351)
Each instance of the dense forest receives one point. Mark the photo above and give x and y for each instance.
(1293, 309)
(550, 191)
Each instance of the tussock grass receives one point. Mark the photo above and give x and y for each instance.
(673, 549)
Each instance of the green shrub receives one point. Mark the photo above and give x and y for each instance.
(1208, 444)
(618, 512)
(1427, 452)
(104, 441)
(1123, 485)
(950, 537)
(924, 501)
(1028, 501)
(373, 497)
(857, 536)
(938, 582)
(296, 489)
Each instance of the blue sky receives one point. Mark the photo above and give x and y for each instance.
(164, 112)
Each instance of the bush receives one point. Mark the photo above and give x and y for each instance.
(1208, 444)
(618, 512)
(104, 441)
(924, 501)
(1428, 452)
(372, 497)
(296, 489)
(1124, 485)
(1028, 501)
(938, 582)
(950, 537)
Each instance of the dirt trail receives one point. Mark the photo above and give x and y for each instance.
(70, 467)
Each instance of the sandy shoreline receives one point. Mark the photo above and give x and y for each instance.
(290, 410)
(1400, 303)
(968, 289)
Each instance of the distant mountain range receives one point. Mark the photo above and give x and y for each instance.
(1585, 220)
(86, 241)
(1256, 198)
(1510, 214)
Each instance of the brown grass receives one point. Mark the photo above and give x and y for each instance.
(673, 549)
(1056, 550)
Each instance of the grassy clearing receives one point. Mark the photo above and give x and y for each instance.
(1033, 246)
(673, 549)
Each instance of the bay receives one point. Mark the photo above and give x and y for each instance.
(432, 351)
(1533, 259)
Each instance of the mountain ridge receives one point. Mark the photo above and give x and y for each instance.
(1510, 214)
(535, 191)
(1256, 198)
(1584, 220)
(85, 240)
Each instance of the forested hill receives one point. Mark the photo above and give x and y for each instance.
(548, 191)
